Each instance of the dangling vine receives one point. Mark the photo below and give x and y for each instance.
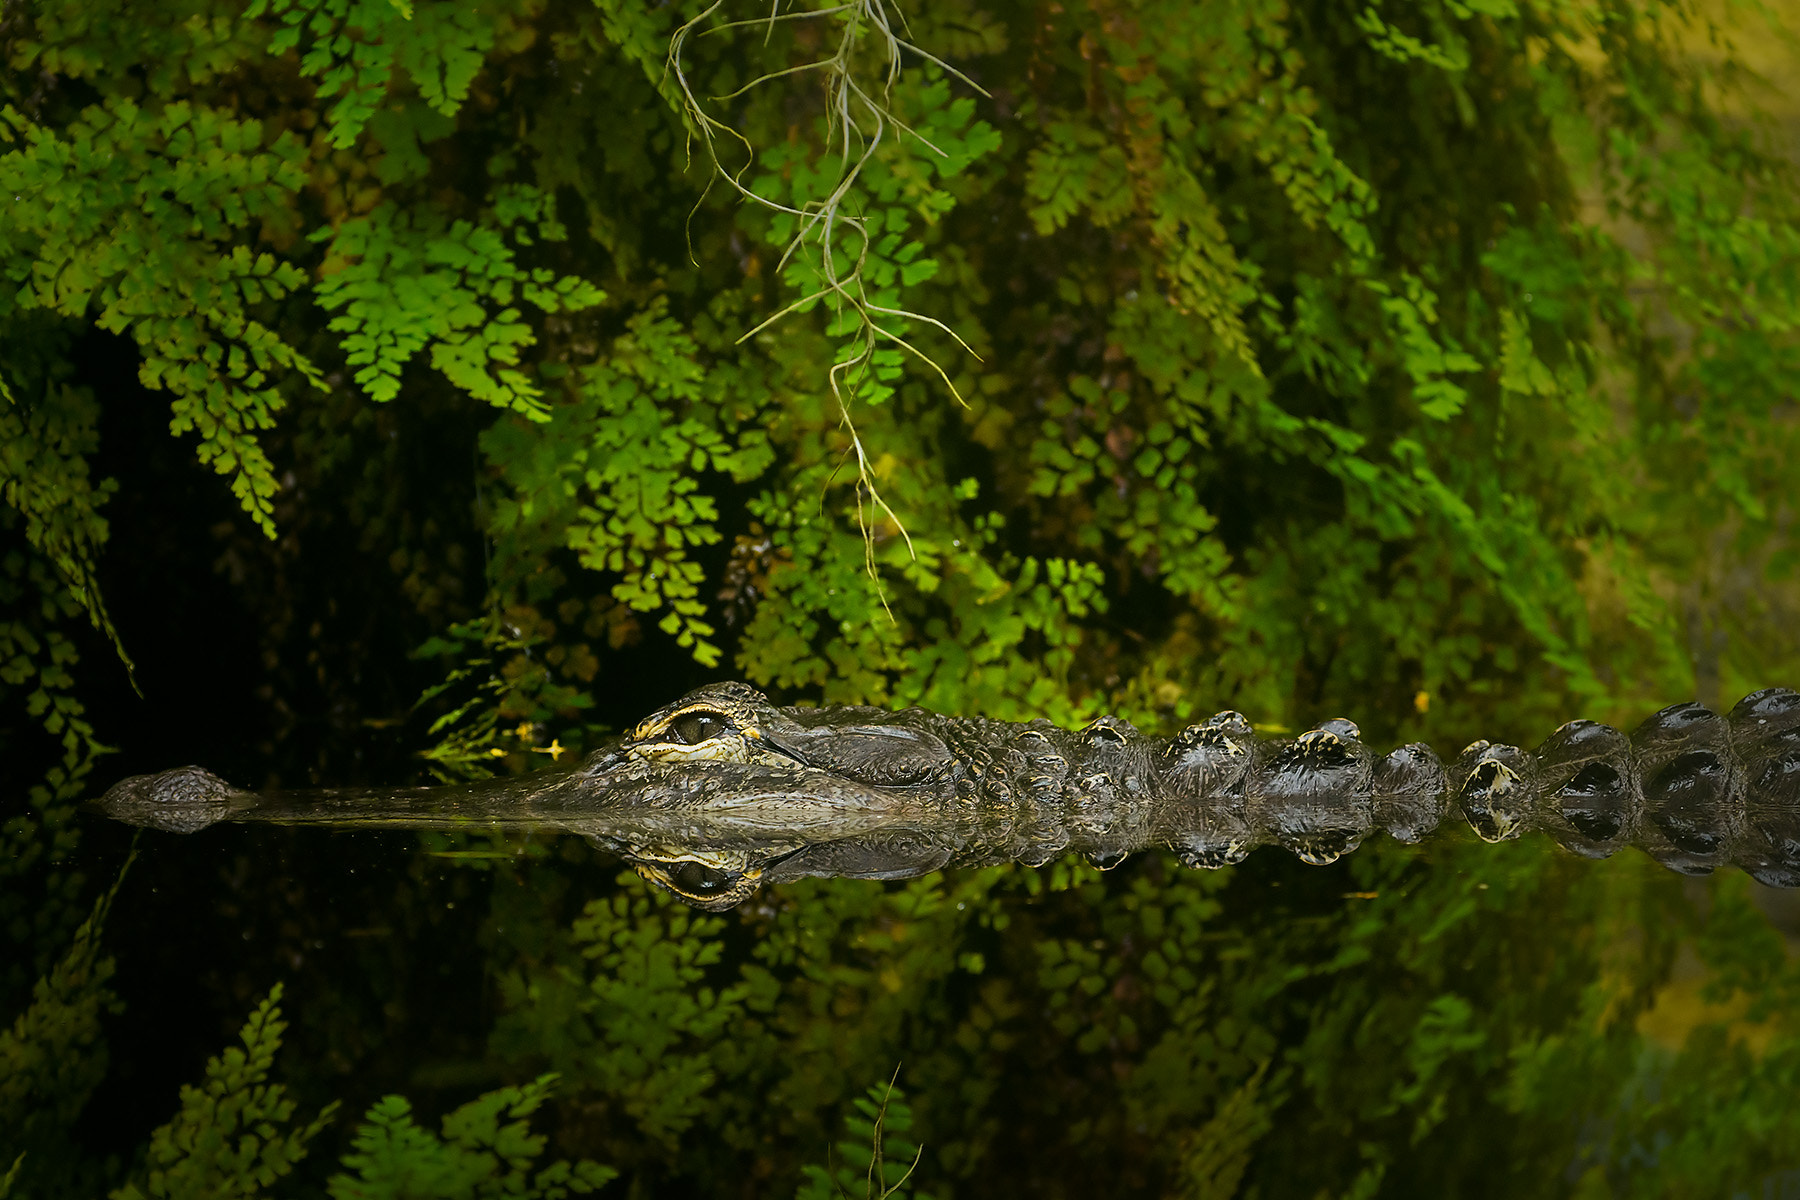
(829, 239)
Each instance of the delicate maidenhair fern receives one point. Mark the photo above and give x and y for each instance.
(54, 1054)
(134, 216)
(44, 476)
(235, 1134)
(356, 48)
(486, 1149)
(874, 1159)
(620, 487)
(404, 282)
(1214, 1158)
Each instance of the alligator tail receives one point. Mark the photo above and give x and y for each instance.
(1693, 789)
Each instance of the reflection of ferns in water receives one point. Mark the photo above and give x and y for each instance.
(486, 1149)
(874, 1158)
(235, 1135)
(53, 1056)
(1215, 1156)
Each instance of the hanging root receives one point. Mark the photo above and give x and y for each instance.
(858, 116)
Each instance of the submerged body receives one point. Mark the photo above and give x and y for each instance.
(722, 791)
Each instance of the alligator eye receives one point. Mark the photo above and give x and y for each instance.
(713, 888)
(696, 727)
(701, 882)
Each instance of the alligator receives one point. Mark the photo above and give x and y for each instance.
(723, 792)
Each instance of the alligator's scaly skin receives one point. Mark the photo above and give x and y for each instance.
(723, 791)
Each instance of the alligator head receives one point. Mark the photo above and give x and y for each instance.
(696, 799)
(733, 722)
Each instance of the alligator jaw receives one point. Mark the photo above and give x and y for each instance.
(613, 787)
(787, 791)
(706, 831)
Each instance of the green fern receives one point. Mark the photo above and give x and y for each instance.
(54, 1055)
(358, 48)
(486, 1150)
(614, 476)
(44, 477)
(235, 1134)
(406, 282)
(1216, 1156)
(130, 216)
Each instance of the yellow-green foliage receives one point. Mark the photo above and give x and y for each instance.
(487, 1149)
(51, 1059)
(235, 1134)
(1369, 353)
(1429, 361)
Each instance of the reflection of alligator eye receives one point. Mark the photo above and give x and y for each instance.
(696, 727)
(694, 880)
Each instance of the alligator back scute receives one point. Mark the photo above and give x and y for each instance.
(1209, 759)
(1313, 794)
(1690, 788)
(1590, 788)
(1765, 735)
(1408, 786)
(1116, 763)
(1037, 765)
(1496, 787)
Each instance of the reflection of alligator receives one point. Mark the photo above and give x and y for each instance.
(722, 792)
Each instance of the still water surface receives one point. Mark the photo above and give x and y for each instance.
(1493, 1019)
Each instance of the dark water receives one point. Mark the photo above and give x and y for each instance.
(393, 947)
